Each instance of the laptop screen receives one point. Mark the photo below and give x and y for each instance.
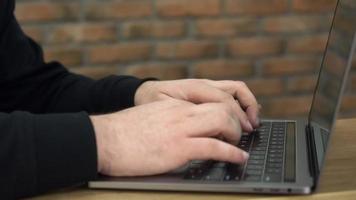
(336, 63)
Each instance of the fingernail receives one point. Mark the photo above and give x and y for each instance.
(249, 126)
(258, 121)
(245, 155)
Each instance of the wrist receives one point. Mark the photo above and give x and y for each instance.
(143, 92)
(99, 127)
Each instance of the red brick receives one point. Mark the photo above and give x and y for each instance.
(349, 3)
(180, 8)
(79, 33)
(68, 56)
(118, 9)
(347, 23)
(296, 24)
(314, 5)
(302, 84)
(286, 106)
(225, 27)
(186, 49)
(256, 7)
(335, 64)
(119, 53)
(255, 46)
(351, 85)
(266, 87)
(348, 103)
(223, 69)
(34, 32)
(149, 29)
(163, 71)
(307, 44)
(290, 66)
(96, 72)
(46, 11)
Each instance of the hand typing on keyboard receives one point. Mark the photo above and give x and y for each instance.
(173, 124)
(266, 163)
(233, 93)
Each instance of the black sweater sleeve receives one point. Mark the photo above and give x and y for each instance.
(43, 152)
(41, 149)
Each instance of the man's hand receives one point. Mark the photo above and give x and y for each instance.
(159, 137)
(233, 93)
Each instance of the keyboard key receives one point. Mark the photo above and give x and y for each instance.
(255, 162)
(276, 147)
(275, 156)
(274, 160)
(229, 177)
(277, 143)
(259, 167)
(253, 172)
(194, 174)
(219, 165)
(261, 144)
(233, 172)
(274, 171)
(252, 178)
(274, 165)
(272, 178)
(275, 151)
(198, 162)
(215, 174)
(263, 149)
(257, 157)
(255, 152)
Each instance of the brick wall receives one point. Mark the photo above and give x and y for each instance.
(273, 45)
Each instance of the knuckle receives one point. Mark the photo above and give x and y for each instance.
(226, 107)
(180, 102)
(227, 97)
(222, 121)
(241, 84)
(174, 102)
(197, 81)
(225, 111)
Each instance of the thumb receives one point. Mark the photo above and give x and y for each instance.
(214, 149)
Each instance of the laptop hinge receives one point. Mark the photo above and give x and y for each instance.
(312, 155)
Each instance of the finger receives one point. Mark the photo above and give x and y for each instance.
(243, 94)
(198, 92)
(213, 149)
(213, 120)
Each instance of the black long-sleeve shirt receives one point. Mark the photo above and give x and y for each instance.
(46, 138)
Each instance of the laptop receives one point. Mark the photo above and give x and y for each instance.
(286, 156)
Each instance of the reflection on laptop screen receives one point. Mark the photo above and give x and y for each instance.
(335, 65)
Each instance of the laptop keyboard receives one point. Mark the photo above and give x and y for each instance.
(268, 147)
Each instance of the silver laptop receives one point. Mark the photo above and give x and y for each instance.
(286, 156)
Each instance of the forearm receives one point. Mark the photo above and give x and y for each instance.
(74, 93)
(43, 152)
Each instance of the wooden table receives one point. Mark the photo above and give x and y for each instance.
(338, 180)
